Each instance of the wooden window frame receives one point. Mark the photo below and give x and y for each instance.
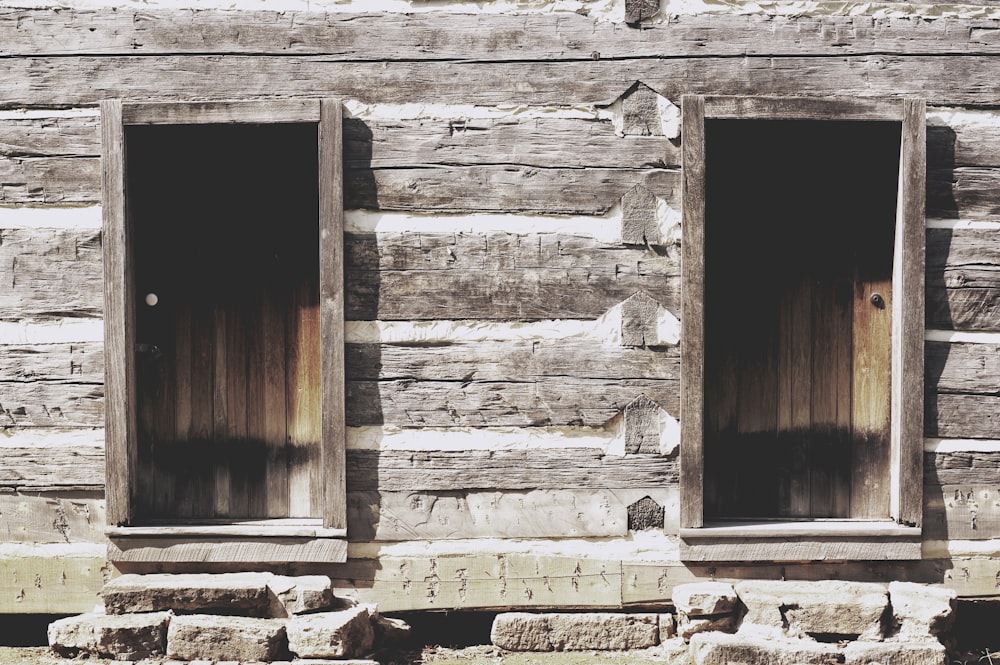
(256, 541)
(898, 538)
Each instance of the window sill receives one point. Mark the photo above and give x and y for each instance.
(820, 540)
(256, 541)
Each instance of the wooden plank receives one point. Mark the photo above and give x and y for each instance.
(52, 404)
(958, 416)
(692, 400)
(559, 513)
(52, 579)
(870, 399)
(961, 512)
(800, 549)
(228, 112)
(80, 80)
(237, 404)
(154, 31)
(961, 468)
(545, 402)
(231, 550)
(119, 322)
(483, 581)
(399, 471)
(509, 361)
(52, 517)
(332, 306)
(952, 367)
(81, 362)
(49, 272)
(963, 279)
(304, 401)
(908, 317)
(64, 467)
(221, 483)
(72, 180)
(790, 108)
(252, 471)
(275, 401)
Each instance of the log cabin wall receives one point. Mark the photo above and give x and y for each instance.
(512, 183)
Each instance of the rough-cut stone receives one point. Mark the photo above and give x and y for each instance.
(210, 637)
(230, 593)
(299, 595)
(674, 651)
(603, 631)
(521, 631)
(390, 631)
(700, 599)
(815, 608)
(921, 611)
(724, 649)
(123, 637)
(344, 634)
(906, 652)
(687, 626)
(668, 626)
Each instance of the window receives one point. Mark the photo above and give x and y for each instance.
(223, 234)
(802, 328)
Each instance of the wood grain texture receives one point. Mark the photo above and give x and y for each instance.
(642, 426)
(961, 468)
(119, 322)
(52, 517)
(483, 581)
(83, 79)
(800, 549)
(49, 273)
(909, 270)
(961, 512)
(550, 401)
(509, 361)
(332, 466)
(51, 581)
(963, 279)
(640, 314)
(459, 514)
(950, 415)
(692, 399)
(153, 31)
(64, 468)
(231, 550)
(399, 471)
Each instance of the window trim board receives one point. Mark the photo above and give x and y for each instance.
(906, 390)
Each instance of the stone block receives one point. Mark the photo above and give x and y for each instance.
(299, 595)
(688, 626)
(343, 634)
(674, 651)
(829, 607)
(715, 648)
(603, 631)
(211, 637)
(123, 637)
(230, 593)
(906, 652)
(521, 631)
(597, 631)
(921, 611)
(700, 599)
(668, 626)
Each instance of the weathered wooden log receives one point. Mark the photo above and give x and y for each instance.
(76, 80)
(25, 32)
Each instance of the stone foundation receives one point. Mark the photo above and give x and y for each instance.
(261, 617)
(759, 623)
(247, 617)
